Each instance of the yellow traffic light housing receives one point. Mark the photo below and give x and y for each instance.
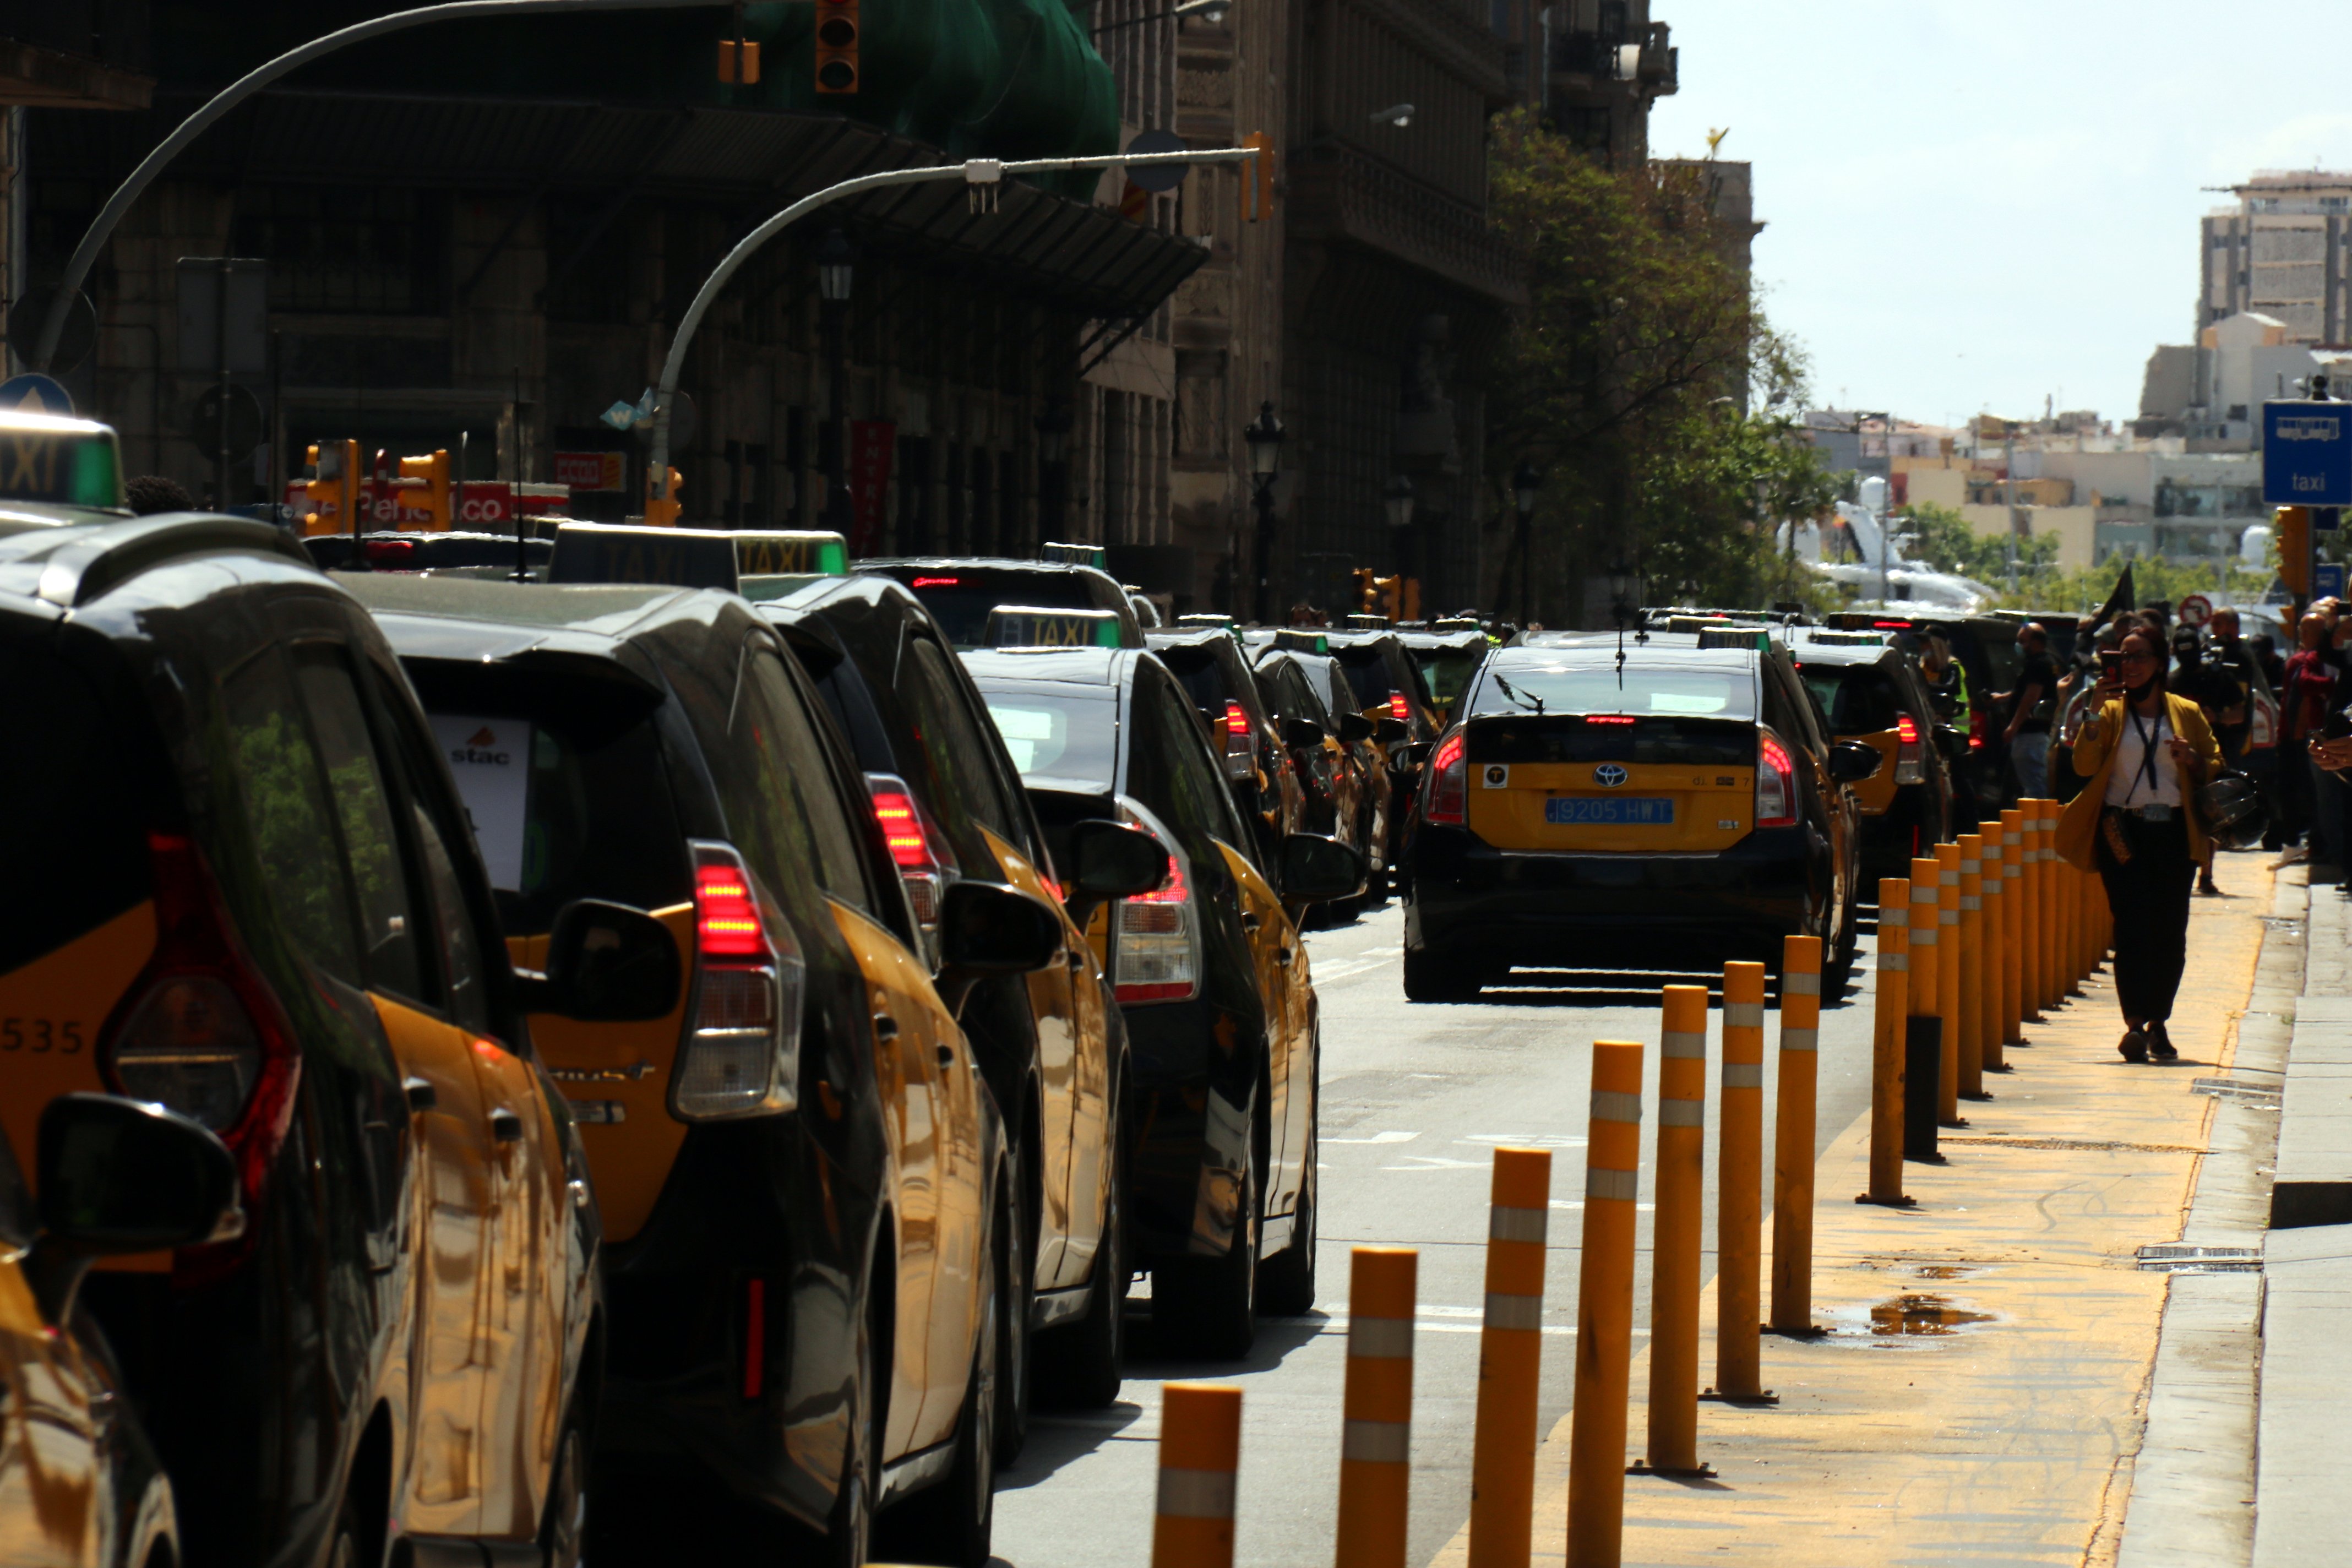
(432, 497)
(1365, 593)
(1257, 179)
(2292, 533)
(738, 61)
(836, 46)
(1388, 595)
(662, 511)
(333, 489)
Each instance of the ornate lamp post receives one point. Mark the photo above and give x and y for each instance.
(1396, 500)
(834, 260)
(1264, 435)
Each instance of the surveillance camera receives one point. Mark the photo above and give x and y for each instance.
(1397, 114)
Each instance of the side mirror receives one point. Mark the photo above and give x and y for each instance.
(606, 963)
(1316, 869)
(1353, 728)
(1114, 861)
(1952, 743)
(1389, 732)
(1850, 762)
(118, 1176)
(1946, 705)
(985, 928)
(1419, 751)
(1301, 733)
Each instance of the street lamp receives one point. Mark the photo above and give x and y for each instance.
(1264, 435)
(1526, 485)
(835, 272)
(1396, 497)
(1623, 585)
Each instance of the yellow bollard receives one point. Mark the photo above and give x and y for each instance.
(2034, 946)
(2058, 917)
(2013, 953)
(1968, 1082)
(1605, 1311)
(1677, 1230)
(1950, 967)
(1887, 1032)
(1792, 1136)
(1510, 1360)
(1739, 1190)
(1200, 1451)
(1376, 1445)
(1995, 915)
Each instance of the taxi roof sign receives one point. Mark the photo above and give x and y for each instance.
(1294, 641)
(692, 557)
(1034, 625)
(1092, 556)
(59, 461)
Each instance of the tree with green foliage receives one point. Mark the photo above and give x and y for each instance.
(1644, 384)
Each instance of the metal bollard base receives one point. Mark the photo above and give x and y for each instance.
(1902, 1200)
(1643, 1468)
(1762, 1396)
(1810, 1332)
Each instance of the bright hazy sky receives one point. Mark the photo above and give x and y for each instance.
(1972, 205)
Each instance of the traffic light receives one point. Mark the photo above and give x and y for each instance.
(662, 511)
(333, 489)
(1257, 178)
(432, 497)
(738, 61)
(1409, 601)
(1364, 591)
(2292, 533)
(1388, 597)
(836, 46)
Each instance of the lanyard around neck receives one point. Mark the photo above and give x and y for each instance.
(2147, 752)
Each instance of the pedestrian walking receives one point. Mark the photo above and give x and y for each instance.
(2142, 757)
(2303, 708)
(2031, 700)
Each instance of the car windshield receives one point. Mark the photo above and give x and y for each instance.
(1068, 736)
(1368, 672)
(1860, 700)
(1448, 671)
(1201, 676)
(960, 598)
(1696, 692)
(568, 798)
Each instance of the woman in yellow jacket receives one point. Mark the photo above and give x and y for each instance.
(2143, 757)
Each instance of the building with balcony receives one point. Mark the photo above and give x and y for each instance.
(2280, 252)
(1607, 61)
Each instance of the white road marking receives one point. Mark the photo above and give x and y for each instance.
(1363, 963)
(1567, 1203)
(1525, 1140)
(1338, 1322)
(1440, 1162)
(1377, 1138)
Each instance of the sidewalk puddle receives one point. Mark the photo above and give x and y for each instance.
(1919, 1313)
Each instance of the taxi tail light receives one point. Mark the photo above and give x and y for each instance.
(1449, 782)
(741, 1053)
(1399, 709)
(1776, 782)
(1241, 759)
(1977, 730)
(200, 1032)
(1154, 941)
(1908, 759)
(917, 848)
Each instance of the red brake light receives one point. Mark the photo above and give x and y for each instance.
(1776, 783)
(1609, 718)
(936, 582)
(1236, 719)
(1398, 710)
(1977, 730)
(386, 551)
(1890, 626)
(726, 915)
(1449, 782)
(1907, 730)
(902, 828)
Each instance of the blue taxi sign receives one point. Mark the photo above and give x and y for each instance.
(1032, 626)
(2306, 453)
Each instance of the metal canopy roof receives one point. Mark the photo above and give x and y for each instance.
(1083, 259)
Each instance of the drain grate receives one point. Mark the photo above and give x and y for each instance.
(2236, 1088)
(2179, 1258)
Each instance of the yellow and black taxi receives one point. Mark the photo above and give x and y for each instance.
(1051, 1043)
(1872, 694)
(1985, 659)
(80, 1486)
(960, 591)
(1389, 690)
(262, 910)
(1210, 972)
(806, 1193)
(1331, 749)
(1447, 655)
(1214, 671)
(1663, 803)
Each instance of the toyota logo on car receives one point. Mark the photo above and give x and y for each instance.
(1609, 776)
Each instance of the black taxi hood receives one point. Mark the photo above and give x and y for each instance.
(71, 563)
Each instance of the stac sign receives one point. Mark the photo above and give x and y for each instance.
(589, 470)
(482, 503)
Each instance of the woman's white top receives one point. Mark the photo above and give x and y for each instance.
(2127, 784)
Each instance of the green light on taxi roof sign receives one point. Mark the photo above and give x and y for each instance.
(64, 462)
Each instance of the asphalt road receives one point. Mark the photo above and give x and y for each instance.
(1414, 1097)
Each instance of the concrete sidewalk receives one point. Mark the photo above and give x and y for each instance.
(1981, 1394)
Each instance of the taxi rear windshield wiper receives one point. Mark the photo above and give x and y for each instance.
(1526, 701)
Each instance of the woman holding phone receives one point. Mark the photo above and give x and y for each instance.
(2142, 756)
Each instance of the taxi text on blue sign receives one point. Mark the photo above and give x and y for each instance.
(2306, 453)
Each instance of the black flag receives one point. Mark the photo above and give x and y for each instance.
(2117, 602)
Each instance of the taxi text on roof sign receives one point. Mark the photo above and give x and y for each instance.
(64, 462)
(1092, 556)
(690, 557)
(1026, 626)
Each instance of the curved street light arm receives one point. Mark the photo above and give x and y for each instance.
(103, 227)
(976, 172)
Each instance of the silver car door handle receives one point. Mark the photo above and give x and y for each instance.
(506, 1126)
(1284, 957)
(420, 1093)
(947, 1055)
(885, 1027)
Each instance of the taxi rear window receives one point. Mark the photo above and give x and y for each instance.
(1696, 693)
(1447, 671)
(1201, 674)
(1072, 737)
(1860, 700)
(961, 597)
(1368, 672)
(565, 789)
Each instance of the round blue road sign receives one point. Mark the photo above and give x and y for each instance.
(32, 394)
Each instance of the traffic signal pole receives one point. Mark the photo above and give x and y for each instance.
(981, 173)
(102, 228)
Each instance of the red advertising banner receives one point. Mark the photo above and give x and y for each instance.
(482, 504)
(871, 443)
(588, 471)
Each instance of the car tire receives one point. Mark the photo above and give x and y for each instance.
(951, 1524)
(1286, 1282)
(1440, 978)
(1079, 1367)
(563, 1528)
(1019, 1288)
(1206, 1308)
